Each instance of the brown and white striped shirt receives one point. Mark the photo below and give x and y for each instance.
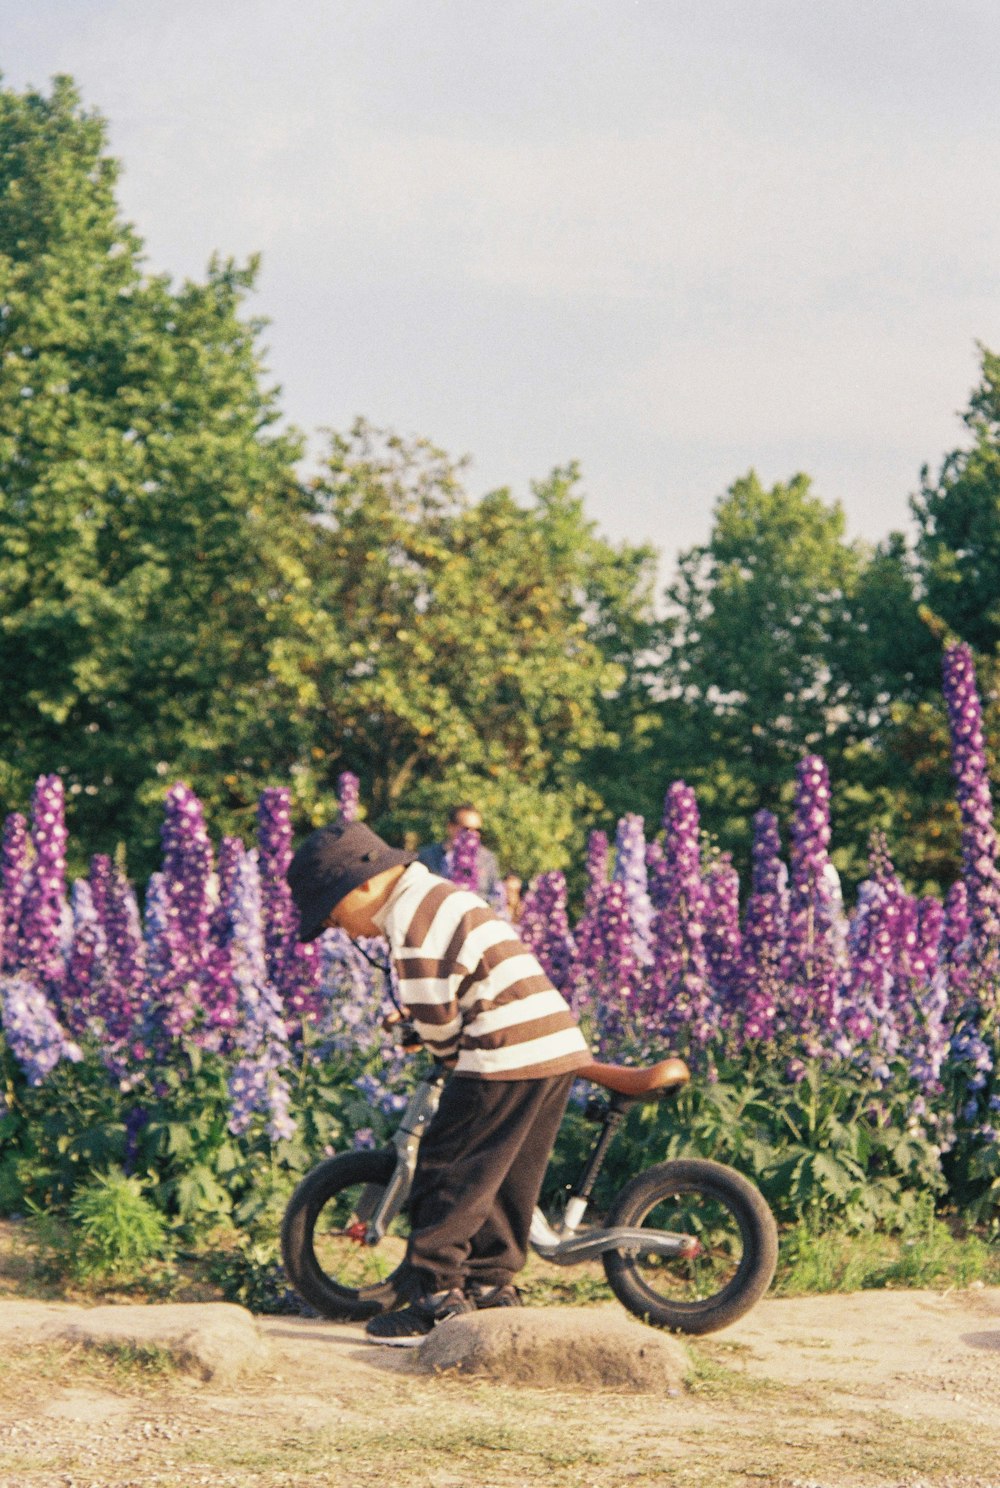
(472, 988)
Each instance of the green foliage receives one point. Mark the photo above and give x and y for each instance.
(451, 650)
(109, 1234)
(783, 637)
(822, 1149)
(116, 1230)
(958, 517)
(147, 516)
(248, 1271)
(52, 1135)
(921, 1251)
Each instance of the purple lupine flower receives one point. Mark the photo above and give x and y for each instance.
(930, 928)
(293, 968)
(723, 941)
(45, 921)
(274, 849)
(956, 949)
(813, 955)
(970, 1049)
(926, 1044)
(159, 931)
(619, 1012)
(15, 865)
(126, 953)
(348, 795)
(765, 929)
(975, 804)
(219, 1012)
(867, 1008)
(544, 927)
(101, 869)
(353, 991)
(583, 988)
(630, 872)
(36, 1038)
(679, 987)
(187, 869)
(256, 1082)
(597, 868)
(86, 965)
(656, 876)
(462, 861)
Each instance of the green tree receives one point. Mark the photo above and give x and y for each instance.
(958, 521)
(783, 638)
(151, 527)
(452, 649)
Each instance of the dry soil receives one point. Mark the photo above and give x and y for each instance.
(876, 1388)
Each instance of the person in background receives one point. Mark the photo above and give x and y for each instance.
(464, 818)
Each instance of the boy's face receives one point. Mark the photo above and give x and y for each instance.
(355, 912)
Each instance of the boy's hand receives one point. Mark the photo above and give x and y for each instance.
(402, 1030)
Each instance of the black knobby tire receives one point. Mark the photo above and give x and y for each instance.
(337, 1274)
(738, 1246)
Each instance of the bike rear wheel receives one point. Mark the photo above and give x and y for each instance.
(326, 1257)
(733, 1246)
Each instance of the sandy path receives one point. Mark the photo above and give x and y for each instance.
(861, 1391)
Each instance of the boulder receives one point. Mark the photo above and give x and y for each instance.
(594, 1348)
(213, 1340)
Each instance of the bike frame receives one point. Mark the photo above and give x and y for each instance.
(568, 1244)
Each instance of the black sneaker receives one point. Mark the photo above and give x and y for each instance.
(411, 1325)
(506, 1295)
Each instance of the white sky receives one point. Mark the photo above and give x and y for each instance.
(670, 239)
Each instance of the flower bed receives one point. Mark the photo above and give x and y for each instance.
(849, 1060)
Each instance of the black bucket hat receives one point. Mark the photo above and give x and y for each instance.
(330, 863)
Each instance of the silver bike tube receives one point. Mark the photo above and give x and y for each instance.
(570, 1250)
(423, 1103)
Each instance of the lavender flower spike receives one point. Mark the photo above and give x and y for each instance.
(544, 927)
(256, 1083)
(630, 872)
(46, 923)
(979, 838)
(14, 871)
(37, 1040)
(348, 795)
(462, 859)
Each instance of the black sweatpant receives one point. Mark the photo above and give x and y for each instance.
(479, 1174)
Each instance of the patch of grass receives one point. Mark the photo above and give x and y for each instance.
(129, 1359)
(927, 1253)
(713, 1373)
(522, 1453)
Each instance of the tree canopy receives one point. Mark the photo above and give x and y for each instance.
(177, 600)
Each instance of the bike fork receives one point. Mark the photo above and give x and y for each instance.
(387, 1203)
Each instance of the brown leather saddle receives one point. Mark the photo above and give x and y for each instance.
(648, 1082)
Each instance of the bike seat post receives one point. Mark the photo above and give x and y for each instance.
(617, 1109)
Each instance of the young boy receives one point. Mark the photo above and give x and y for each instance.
(480, 1002)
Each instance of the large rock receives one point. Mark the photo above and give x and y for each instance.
(214, 1340)
(565, 1347)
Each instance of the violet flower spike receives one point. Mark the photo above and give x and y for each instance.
(348, 795)
(463, 861)
(36, 1038)
(15, 863)
(630, 872)
(979, 839)
(46, 921)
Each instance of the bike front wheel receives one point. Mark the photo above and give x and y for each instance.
(327, 1258)
(730, 1254)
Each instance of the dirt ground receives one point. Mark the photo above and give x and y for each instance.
(875, 1388)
